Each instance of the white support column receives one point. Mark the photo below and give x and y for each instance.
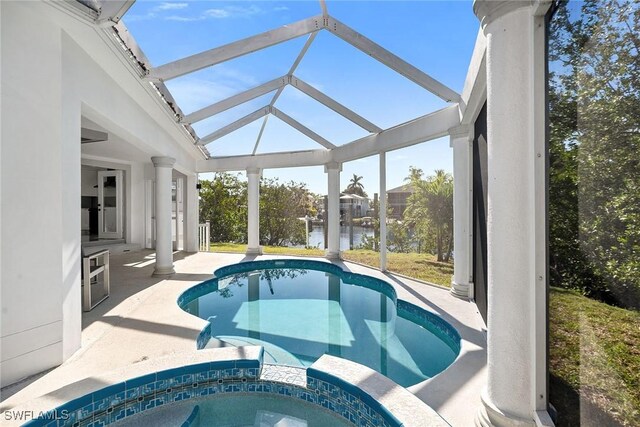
(164, 245)
(460, 141)
(333, 224)
(253, 212)
(382, 211)
(192, 213)
(516, 391)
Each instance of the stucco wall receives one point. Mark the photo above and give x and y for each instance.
(56, 68)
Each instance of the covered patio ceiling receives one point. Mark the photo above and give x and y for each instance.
(378, 139)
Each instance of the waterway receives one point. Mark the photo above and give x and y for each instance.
(316, 236)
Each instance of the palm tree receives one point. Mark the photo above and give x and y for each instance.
(355, 186)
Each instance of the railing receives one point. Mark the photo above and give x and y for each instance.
(204, 237)
(92, 266)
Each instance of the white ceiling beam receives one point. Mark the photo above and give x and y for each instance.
(264, 124)
(302, 53)
(392, 61)
(323, 7)
(422, 129)
(301, 128)
(425, 128)
(334, 105)
(236, 100)
(265, 161)
(113, 10)
(238, 48)
(295, 64)
(235, 125)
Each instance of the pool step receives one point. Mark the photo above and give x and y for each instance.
(272, 353)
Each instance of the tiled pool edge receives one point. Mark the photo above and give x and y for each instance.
(154, 389)
(324, 388)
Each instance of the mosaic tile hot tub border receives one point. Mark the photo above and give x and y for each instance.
(122, 400)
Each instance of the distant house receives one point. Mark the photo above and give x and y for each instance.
(397, 200)
(360, 205)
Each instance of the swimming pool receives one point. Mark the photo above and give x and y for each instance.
(299, 310)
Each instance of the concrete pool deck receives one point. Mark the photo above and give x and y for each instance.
(141, 321)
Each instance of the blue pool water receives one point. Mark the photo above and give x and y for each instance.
(299, 314)
(255, 410)
(248, 410)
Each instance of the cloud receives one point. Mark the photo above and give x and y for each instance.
(218, 13)
(183, 18)
(155, 11)
(233, 12)
(160, 12)
(280, 8)
(171, 6)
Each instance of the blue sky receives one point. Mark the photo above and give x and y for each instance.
(436, 37)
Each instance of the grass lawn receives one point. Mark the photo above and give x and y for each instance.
(277, 250)
(420, 266)
(594, 358)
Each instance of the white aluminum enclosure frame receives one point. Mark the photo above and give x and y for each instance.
(107, 14)
(276, 36)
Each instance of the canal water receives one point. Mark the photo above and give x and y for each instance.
(316, 236)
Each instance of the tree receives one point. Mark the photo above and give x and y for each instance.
(355, 186)
(219, 202)
(281, 206)
(430, 211)
(594, 205)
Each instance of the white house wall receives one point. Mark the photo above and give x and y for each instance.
(55, 68)
(31, 205)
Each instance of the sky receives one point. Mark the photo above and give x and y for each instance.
(435, 36)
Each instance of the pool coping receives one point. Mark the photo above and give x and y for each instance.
(355, 392)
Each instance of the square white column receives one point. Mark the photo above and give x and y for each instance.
(460, 141)
(382, 211)
(253, 211)
(333, 218)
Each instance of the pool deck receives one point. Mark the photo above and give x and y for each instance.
(141, 320)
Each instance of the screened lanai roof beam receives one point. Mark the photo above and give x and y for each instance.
(295, 64)
(334, 105)
(422, 129)
(235, 125)
(113, 10)
(236, 100)
(242, 47)
(392, 61)
(301, 128)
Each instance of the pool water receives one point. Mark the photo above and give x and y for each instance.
(247, 410)
(256, 410)
(300, 314)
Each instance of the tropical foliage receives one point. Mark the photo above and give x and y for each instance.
(220, 200)
(355, 186)
(223, 202)
(281, 207)
(595, 150)
(594, 212)
(430, 212)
